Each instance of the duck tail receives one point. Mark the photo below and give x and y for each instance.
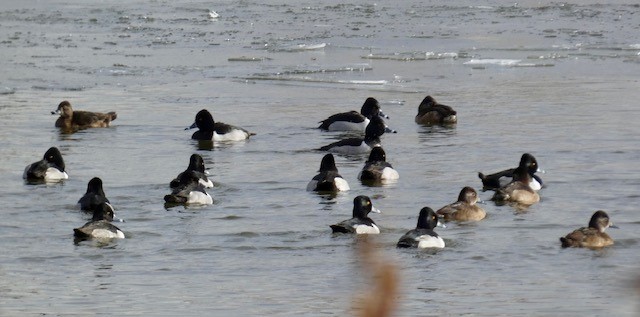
(113, 115)
(565, 242)
(175, 199)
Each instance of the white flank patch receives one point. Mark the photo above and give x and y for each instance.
(341, 184)
(54, 174)
(364, 229)
(363, 148)
(427, 241)
(107, 234)
(199, 198)
(348, 126)
(234, 135)
(207, 184)
(390, 174)
(535, 185)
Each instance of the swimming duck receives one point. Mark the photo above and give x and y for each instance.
(94, 195)
(377, 168)
(500, 179)
(423, 236)
(592, 236)
(352, 120)
(196, 165)
(216, 131)
(465, 209)
(432, 112)
(49, 169)
(328, 180)
(77, 120)
(518, 190)
(100, 226)
(189, 191)
(360, 223)
(374, 130)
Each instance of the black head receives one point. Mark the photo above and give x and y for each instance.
(103, 211)
(196, 163)
(204, 120)
(95, 186)
(53, 156)
(328, 163)
(600, 220)
(428, 101)
(375, 128)
(468, 195)
(362, 206)
(427, 219)
(62, 106)
(377, 155)
(370, 108)
(529, 162)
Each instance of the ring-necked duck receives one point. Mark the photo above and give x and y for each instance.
(377, 168)
(216, 131)
(76, 120)
(374, 130)
(360, 223)
(100, 227)
(432, 112)
(49, 169)
(352, 120)
(423, 236)
(196, 165)
(592, 236)
(465, 209)
(518, 190)
(500, 179)
(189, 191)
(94, 195)
(328, 180)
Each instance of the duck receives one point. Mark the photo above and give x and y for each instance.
(50, 169)
(216, 131)
(465, 208)
(377, 169)
(352, 120)
(189, 191)
(423, 236)
(94, 196)
(328, 180)
(100, 226)
(360, 223)
(500, 179)
(431, 112)
(196, 165)
(78, 120)
(374, 130)
(518, 190)
(592, 236)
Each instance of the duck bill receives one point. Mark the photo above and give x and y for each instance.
(191, 126)
(376, 210)
(55, 112)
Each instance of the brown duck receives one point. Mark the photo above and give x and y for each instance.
(77, 120)
(592, 236)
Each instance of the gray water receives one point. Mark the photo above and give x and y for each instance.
(555, 79)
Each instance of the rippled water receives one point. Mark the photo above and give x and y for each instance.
(558, 80)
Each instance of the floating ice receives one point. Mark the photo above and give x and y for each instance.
(493, 61)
